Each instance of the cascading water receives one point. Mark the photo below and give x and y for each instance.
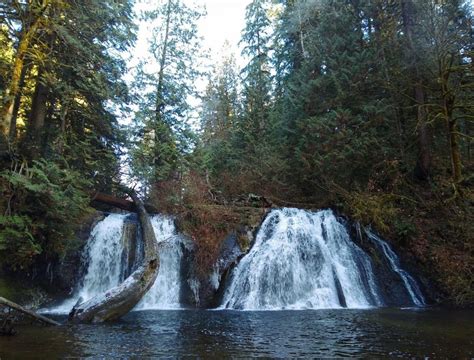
(103, 253)
(302, 260)
(108, 264)
(165, 292)
(411, 285)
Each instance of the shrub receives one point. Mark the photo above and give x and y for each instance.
(42, 205)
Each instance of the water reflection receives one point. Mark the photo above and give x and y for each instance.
(282, 334)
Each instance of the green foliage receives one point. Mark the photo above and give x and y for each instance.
(16, 238)
(375, 209)
(337, 102)
(404, 228)
(164, 82)
(42, 205)
(66, 140)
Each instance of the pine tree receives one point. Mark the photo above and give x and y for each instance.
(61, 79)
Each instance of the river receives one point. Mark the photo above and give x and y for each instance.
(386, 332)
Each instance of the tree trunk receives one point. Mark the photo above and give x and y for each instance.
(119, 203)
(48, 128)
(13, 87)
(423, 164)
(39, 106)
(17, 103)
(159, 90)
(63, 118)
(118, 301)
(449, 101)
(456, 163)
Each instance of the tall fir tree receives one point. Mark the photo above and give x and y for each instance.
(165, 84)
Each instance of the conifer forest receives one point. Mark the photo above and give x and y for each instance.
(312, 181)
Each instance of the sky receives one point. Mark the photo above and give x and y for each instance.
(224, 21)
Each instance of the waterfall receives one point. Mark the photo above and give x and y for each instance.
(411, 285)
(104, 250)
(302, 260)
(165, 292)
(103, 253)
(107, 255)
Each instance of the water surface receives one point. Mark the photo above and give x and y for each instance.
(434, 333)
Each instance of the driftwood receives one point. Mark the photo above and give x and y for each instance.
(119, 300)
(32, 314)
(119, 203)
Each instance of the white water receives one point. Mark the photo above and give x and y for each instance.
(164, 293)
(103, 253)
(410, 284)
(106, 270)
(299, 260)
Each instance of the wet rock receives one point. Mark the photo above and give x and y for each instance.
(132, 250)
(64, 274)
(206, 292)
(189, 290)
(391, 285)
(6, 326)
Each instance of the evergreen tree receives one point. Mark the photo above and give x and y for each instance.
(220, 116)
(257, 82)
(165, 84)
(62, 82)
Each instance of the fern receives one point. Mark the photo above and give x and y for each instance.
(46, 203)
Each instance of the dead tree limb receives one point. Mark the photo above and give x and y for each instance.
(32, 314)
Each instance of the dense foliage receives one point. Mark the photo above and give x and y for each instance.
(43, 205)
(343, 91)
(164, 81)
(362, 105)
(60, 78)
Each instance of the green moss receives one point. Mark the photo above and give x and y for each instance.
(21, 292)
(244, 241)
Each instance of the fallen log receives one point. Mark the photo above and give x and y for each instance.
(119, 300)
(32, 314)
(119, 203)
